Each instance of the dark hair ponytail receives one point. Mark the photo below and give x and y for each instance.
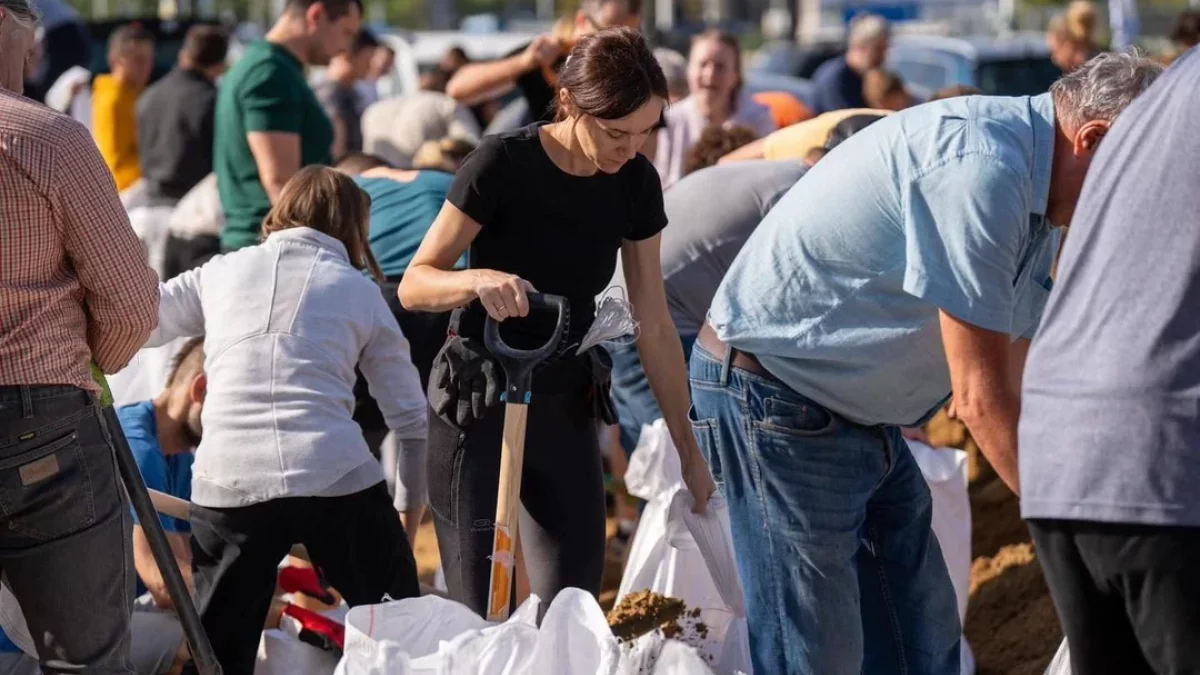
(609, 75)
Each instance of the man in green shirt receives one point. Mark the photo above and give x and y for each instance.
(269, 124)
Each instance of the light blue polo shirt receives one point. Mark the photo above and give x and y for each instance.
(940, 206)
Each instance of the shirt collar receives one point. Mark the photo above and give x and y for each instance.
(310, 237)
(1041, 112)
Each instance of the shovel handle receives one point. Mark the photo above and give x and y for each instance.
(508, 513)
(518, 364)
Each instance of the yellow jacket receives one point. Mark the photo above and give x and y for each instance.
(114, 125)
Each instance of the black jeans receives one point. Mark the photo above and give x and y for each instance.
(356, 542)
(182, 254)
(65, 532)
(1128, 595)
(562, 495)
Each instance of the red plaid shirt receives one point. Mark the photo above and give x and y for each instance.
(74, 285)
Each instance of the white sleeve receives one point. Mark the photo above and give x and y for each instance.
(180, 312)
(391, 376)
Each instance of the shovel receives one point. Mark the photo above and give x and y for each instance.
(202, 652)
(518, 365)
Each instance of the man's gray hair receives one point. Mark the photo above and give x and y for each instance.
(1103, 87)
(867, 28)
(22, 12)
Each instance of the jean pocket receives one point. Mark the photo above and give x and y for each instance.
(791, 418)
(46, 489)
(705, 431)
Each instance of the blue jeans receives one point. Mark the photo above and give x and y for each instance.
(635, 403)
(831, 527)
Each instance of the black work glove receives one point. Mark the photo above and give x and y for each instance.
(600, 365)
(465, 382)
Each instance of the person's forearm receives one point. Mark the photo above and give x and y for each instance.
(427, 289)
(992, 420)
(662, 359)
(477, 78)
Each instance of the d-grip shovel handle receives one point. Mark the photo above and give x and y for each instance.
(518, 364)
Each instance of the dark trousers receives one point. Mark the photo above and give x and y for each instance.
(65, 530)
(1128, 595)
(182, 254)
(561, 527)
(356, 542)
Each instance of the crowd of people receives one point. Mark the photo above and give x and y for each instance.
(313, 268)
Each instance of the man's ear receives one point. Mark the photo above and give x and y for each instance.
(199, 388)
(1087, 139)
(314, 14)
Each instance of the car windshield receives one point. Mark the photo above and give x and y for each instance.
(1017, 77)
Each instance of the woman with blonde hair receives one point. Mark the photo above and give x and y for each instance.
(717, 99)
(1071, 35)
(281, 461)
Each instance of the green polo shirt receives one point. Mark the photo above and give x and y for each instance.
(264, 91)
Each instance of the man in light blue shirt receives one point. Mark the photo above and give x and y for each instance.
(914, 259)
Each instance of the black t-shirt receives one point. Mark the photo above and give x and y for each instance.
(537, 91)
(176, 123)
(559, 232)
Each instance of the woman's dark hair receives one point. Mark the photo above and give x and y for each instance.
(729, 41)
(848, 127)
(1186, 31)
(609, 75)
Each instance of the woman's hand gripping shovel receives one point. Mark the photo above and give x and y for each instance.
(518, 365)
(135, 486)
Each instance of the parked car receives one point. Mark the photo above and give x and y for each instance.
(1018, 65)
(1015, 65)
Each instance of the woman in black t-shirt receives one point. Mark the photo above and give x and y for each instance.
(548, 207)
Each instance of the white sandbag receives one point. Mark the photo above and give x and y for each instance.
(945, 470)
(282, 654)
(1061, 663)
(422, 636)
(575, 637)
(684, 555)
(383, 639)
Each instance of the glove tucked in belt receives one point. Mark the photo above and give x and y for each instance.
(600, 364)
(465, 382)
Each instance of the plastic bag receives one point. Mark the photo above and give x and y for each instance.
(614, 320)
(945, 470)
(1061, 663)
(684, 555)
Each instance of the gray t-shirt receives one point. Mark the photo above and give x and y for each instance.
(711, 213)
(342, 103)
(1110, 414)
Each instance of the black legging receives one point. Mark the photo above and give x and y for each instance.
(562, 493)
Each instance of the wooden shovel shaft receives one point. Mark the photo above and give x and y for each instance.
(508, 511)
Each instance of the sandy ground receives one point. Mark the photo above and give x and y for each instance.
(1011, 623)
